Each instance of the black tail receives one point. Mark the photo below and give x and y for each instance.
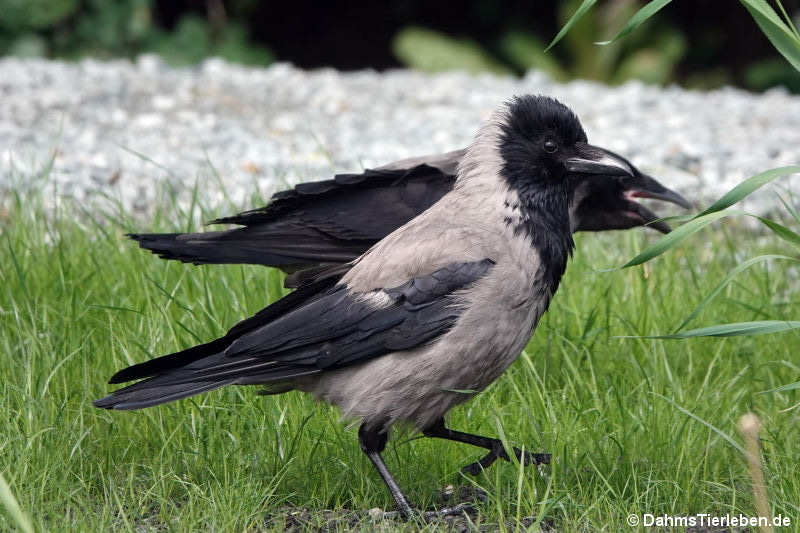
(203, 375)
(204, 367)
(289, 248)
(197, 248)
(146, 394)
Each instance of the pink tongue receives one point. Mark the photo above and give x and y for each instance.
(637, 194)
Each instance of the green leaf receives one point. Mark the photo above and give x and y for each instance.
(781, 231)
(581, 11)
(783, 388)
(714, 212)
(790, 208)
(432, 51)
(525, 51)
(735, 329)
(722, 284)
(35, 14)
(749, 185)
(776, 30)
(787, 19)
(676, 236)
(674, 219)
(637, 19)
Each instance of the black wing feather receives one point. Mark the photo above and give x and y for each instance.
(179, 359)
(328, 330)
(331, 221)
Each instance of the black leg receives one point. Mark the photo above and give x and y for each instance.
(495, 447)
(372, 443)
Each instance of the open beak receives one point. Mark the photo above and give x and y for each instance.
(644, 186)
(612, 174)
(590, 159)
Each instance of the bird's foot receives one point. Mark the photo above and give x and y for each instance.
(499, 452)
(427, 516)
(456, 510)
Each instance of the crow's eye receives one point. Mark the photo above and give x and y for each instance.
(550, 146)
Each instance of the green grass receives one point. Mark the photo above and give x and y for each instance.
(79, 301)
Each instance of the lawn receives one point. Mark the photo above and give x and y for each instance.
(634, 425)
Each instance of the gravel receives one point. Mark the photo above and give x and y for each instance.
(131, 129)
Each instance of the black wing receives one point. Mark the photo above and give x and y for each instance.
(307, 293)
(329, 329)
(332, 221)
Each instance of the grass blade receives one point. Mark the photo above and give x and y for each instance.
(637, 19)
(783, 388)
(781, 231)
(676, 236)
(748, 186)
(727, 279)
(12, 506)
(18, 268)
(778, 33)
(580, 12)
(735, 329)
(143, 157)
(792, 211)
(706, 424)
(787, 19)
(715, 212)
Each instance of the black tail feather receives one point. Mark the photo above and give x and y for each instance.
(332, 221)
(289, 248)
(140, 395)
(215, 248)
(204, 375)
(169, 362)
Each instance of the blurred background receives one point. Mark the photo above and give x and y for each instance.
(697, 43)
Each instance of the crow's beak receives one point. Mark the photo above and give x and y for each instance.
(611, 190)
(588, 159)
(644, 186)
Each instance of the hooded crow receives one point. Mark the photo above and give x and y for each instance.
(337, 220)
(431, 314)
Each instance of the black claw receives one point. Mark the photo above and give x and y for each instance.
(457, 510)
(499, 452)
(529, 458)
(411, 513)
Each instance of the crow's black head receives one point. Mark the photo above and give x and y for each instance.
(543, 144)
(537, 136)
(547, 162)
(544, 155)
